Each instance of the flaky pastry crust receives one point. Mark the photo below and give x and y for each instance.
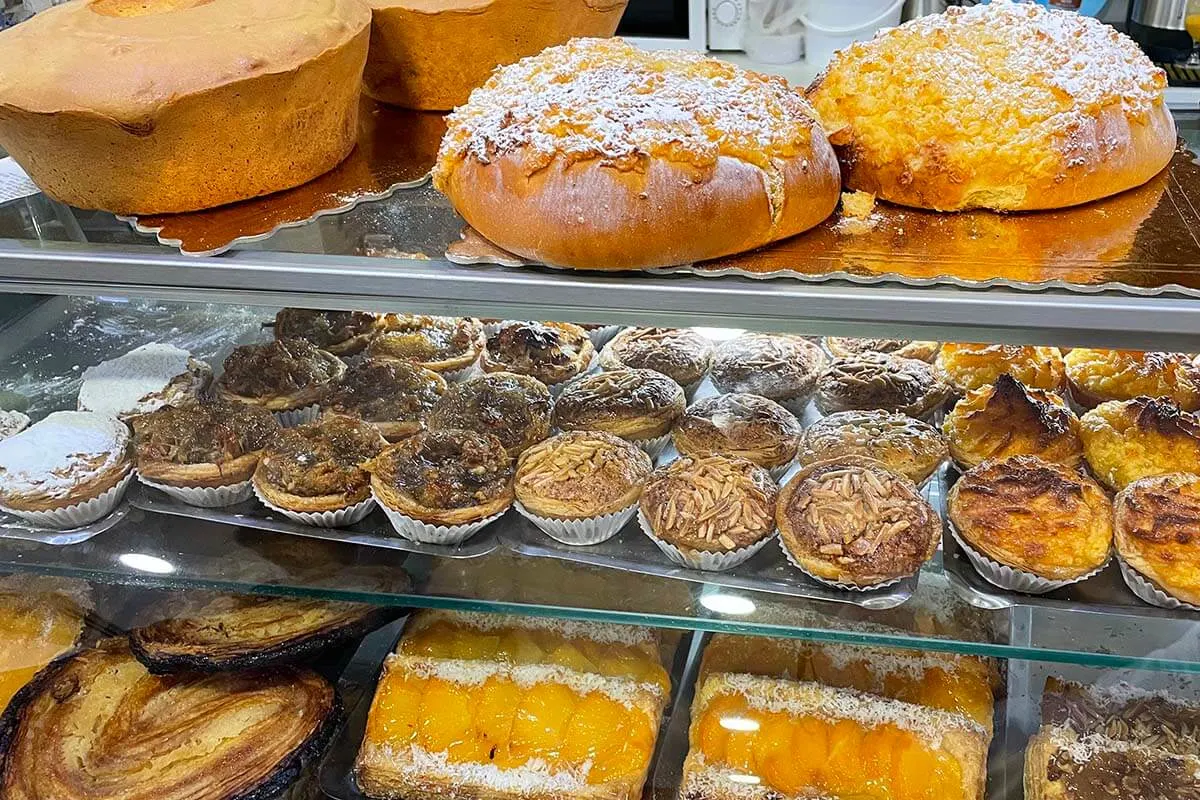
(581, 474)
(744, 425)
(1157, 532)
(209, 445)
(635, 404)
(279, 376)
(320, 466)
(913, 448)
(442, 344)
(552, 352)
(967, 367)
(1099, 375)
(1138, 438)
(1009, 419)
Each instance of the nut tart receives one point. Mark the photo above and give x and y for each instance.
(319, 466)
(1124, 713)
(1011, 419)
(967, 367)
(552, 352)
(41, 618)
(444, 477)
(779, 367)
(12, 423)
(1156, 529)
(880, 381)
(282, 375)
(1131, 439)
(94, 726)
(844, 346)
(513, 408)
(342, 333)
(208, 445)
(484, 730)
(581, 475)
(682, 354)
(1035, 516)
(1096, 376)
(853, 522)
(743, 425)
(394, 396)
(850, 745)
(144, 379)
(442, 344)
(913, 448)
(639, 405)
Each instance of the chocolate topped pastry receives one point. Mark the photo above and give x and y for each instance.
(970, 366)
(682, 354)
(513, 408)
(1157, 532)
(1131, 439)
(552, 352)
(743, 425)
(395, 396)
(442, 344)
(280, 375)
(880, 381)
(319, 466)
(639, 405)
(212, 444)
(913, 448)
(842, 346)
(1099, 375)
(340, 332)
(779, 367)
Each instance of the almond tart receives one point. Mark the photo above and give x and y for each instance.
(342, 333)
(1131, 439)
(394, 396)
(682, 354)
(639, 405)
(286, 376)
(843, 346)
(780, 367)
(448, 345)
(552, 352)
(513, 408)
(1157, 535)
(742, 425)
(880, 381)
(913, 448)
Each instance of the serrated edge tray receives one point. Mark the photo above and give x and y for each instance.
(12, 527)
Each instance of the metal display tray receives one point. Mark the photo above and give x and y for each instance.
(13, 527)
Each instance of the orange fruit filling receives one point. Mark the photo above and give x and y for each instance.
(809, 756)
(31, 636)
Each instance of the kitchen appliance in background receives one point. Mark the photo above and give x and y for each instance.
(672, 24)
(727, 24)
(1169, 32)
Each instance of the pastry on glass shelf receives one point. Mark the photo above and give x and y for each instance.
(147, 377)
(287, 376)
(639, 405)
(513, 408)
(342, 333)
(41, 618)
(780, 367)
(1156, 529)
(743, 425)
(682, 354)
(880, 381)
(1096, 376)
(448, 345)
(844, 346)
(913, 448)
(552, 352)
(1131, 439)
(394, 396)
(967, 367)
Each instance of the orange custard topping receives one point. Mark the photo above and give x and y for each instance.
(34, 630)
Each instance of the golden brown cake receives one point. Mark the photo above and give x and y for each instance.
(600, 155)
(682, 354)
(880, 381)
(394, 396)
(160, 106)
(639, 405)
(1033, 515)
(1010, 419)
(41, 618)
(843, 346)
(1131, 439)
(209, 445)
(283, 375)
(967, 367)
(1099, 375)
(913, 448)
(1087, 122)
(513, 408)
(442, 344)
(1156, 524)
(581, 474)
(779, 367)
(552, 352)
(340, 332)
(742, 425)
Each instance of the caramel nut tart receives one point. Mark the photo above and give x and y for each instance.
(843, 346)
(1157, 532)
(779, 367)
(967, 367)
(209, 445)
(1010, 419)
(913, 448)
(394, 396)
(1035, 516)
(1138, 438)
(342, 333)
(552, 352)
(442, 344)
(851, 521)
(444, 477)
(12, 423)
(513, 408)
(282, 375)
(880, 381)
(682, 354)
(1099, 375)
(581, 474)
(742, 425)
(639, 405)
(148, 377)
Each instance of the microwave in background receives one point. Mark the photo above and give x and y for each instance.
(688, 24)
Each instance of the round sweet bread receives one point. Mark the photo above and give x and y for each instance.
(1011, 107)
(599, 155)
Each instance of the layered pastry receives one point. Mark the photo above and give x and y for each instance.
(283, 375)
(880, 381)
(342, 333)
(144, 379)
(682, 354)
(41, 618)
(442, 344)
(233, 83)
(552, 352)
(954, 151)
(513, 408)
(1156, 529)
(967, 367)
(581, 474)
(758, 738)
(1138, 438)
(1010, 419)
(1035, 516)
(853, 522)
(548, 140)
(12, 423)
(1096, 376)
(208, 445)
(394, 396)
(743, 425)
(844, 346)
(84, 728)
(779, 367)
(639, 405)
(908, 446)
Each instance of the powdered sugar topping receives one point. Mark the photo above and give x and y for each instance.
(141, 380)
(53, 457)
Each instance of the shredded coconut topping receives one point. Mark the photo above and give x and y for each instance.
(534, 776)
(67, 448)
(601, 632)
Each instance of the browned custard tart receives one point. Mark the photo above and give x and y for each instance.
(394, 396)
(552, 352)
(442, 344)
(743, 425)
(282, 375)
(340, 332)
(639, 405)
(1157, 534)
(513, 408)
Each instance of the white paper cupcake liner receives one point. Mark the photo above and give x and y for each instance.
(80, 514)
(205, 496)
(580, 532)
(298, 416)
(602, 336)
(689, 391)
(337, 518)
(1148, 592)
(465, 374)
(1015, 580)
(778, 472)
(428, 533)
(654, 447)
(849, 587)
(695, 559)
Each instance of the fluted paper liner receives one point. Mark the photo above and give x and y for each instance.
(580, 532)
(1015, 580)
(298, 416)
(337, 518)
(1148, 592)
(695, 559)
(205, 496)
(602, 336)
(849, 587)
(465, 374)
(428, 533)
(653, 447)
(80, 514)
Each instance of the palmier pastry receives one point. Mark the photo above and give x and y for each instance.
(852, 521)
(1010, 419)
(744, 425)
(1138, 438)
(639, 405)
(208, 445)
(1099, 375)
(1157, 532)
(319, 466)
(913, 448)
(282, 375)
(843, 346)
(779, 367)
(967, 367)
(663, 141)
(581, 474)
(41, 618)
(682, 354)
(513, 408)
(442, 344)
(444, 477)
(147, 377)
(394, 396)
(552, 352)
(993, 137)
(1034, 515)
(880, 381)
(12, 423)
(342, 333)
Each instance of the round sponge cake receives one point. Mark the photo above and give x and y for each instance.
(1003, 106)
(598, 155)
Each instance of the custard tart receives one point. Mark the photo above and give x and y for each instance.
(148, 377)
(780, 367)
(967, 367)
(342, 333)
(682, 354)
(639, 405)
(394, 396)
(41, 618)
(843, 346)
(552, 352)
(1156, 524)
(448, 345)
(743, 425)
(281, 376)
(1138, 438)
(880, 381)
(513, 408)
(913, 448)
(1097, 376)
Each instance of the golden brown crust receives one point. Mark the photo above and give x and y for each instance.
(513, 408)
(843, 346)
(1138, 438)
(682, 354)
(339, 332)
(880, 380)
(967, 367)
(913, 448)
(742, 425)
(1099, 375)
(319, 466)
(776, 366)
(1034, 515)
(394, 396)
(209, 445)
(552, 352)
(280, 375)
(635, 404)
(442, 344)
(1157, 532)
(1059, 766)
(581, 474)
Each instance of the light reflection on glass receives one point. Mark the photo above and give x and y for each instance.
(719, 334)
(723, 603)
(146, 563)
(743, 724)
(749, 780)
